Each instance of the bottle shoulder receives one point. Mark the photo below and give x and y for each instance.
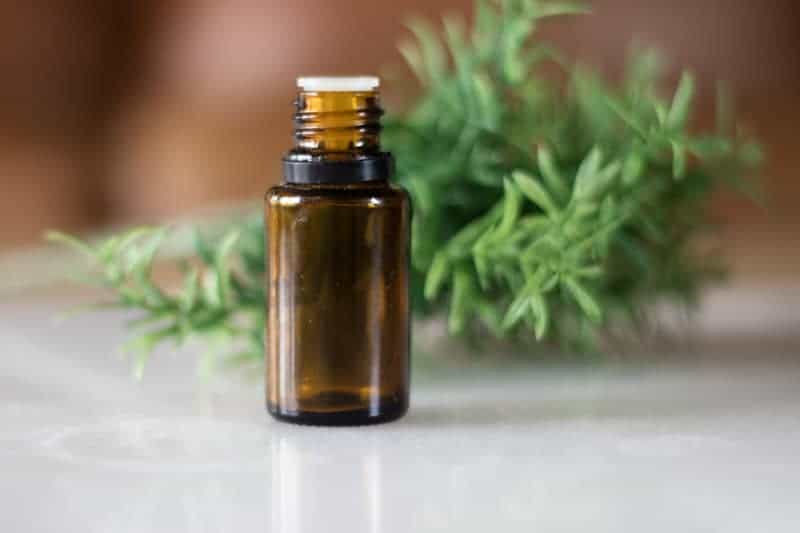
(295, 194)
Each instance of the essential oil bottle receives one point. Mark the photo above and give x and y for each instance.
(338, 253)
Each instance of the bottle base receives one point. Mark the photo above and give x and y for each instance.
(355, 417)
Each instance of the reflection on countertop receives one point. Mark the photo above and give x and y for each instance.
(688, 443)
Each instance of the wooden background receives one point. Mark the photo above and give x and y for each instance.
(133, 111)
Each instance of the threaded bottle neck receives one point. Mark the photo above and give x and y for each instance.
(337, 132)
(337, 124)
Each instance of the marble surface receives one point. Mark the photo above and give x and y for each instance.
(696, 444)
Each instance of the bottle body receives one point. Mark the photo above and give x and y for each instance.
(338, 326)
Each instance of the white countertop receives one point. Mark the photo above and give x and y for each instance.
(675, 447)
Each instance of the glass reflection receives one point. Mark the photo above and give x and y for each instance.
(313, 488)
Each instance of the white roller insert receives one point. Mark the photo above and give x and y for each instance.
(338, 83)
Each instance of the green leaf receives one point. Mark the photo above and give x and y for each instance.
(454, 34)
(484, 30)
(550, 173)
(211, 290)
(413, 58)
(108, 249)
(591, 272)
(431, 58)
(71, 241)
(586, 301)
(481, 262)
(436, 276)
(627, 117)
(590, 165)
(632, 168)
(534, 191)
(203, 248)
(541, 314)
(143, 345)
(597, 184)
(678, 160)
(661, 113)
(487, 111)
(516, 311)
(540, 9)
(681, 102)
(459, 306)
(511, 209)
(128, 239)
(462, 244)
(221, 264)
(188, 298)
(587, 172)
(515, 34)
(140, 260)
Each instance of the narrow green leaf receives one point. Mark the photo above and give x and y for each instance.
(140, 258)
(511, 208)
(436, 276)
(211, 292)
(457, 318)
(516, 310)
(595, 185)
(632, 168)
(108, 249)
(586, 301)
(141, 356)
(72, 242)
(678, 160)
(681, 102)
(221, 265)
(488, 314)
(550, 283)
(485, 28)
(481, 262)
(410, 52)
(627, 117)
(515, 33)
(454, 35)
(661, 113)
(143, 345)
(550, 173)
(431, 52)
(541, 313)
(590, 272)
(129, 238)
(553, 9)
(588, 170)
(153, 295)
(534, 191)
(203, 248)
(188, 297)
(470, 233)
(486, 108)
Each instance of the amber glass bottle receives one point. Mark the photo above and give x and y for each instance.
(338, 244)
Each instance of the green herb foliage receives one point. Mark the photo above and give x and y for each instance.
(220, 301)
(545, 206)
(551, 207)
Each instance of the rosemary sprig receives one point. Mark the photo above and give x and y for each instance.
(550, 208)
(541, 209)
(221, 298)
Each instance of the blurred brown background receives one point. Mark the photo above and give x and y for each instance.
(140, 110)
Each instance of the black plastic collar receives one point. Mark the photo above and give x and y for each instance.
(370, 168)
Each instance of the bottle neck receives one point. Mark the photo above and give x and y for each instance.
(337, 138)
(337, 124)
